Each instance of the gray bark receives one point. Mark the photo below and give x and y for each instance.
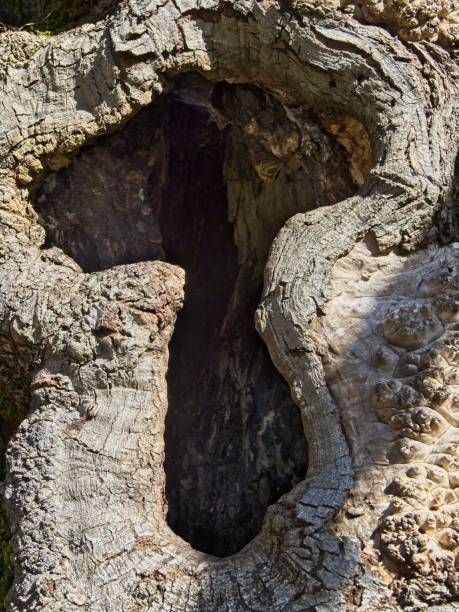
(353, 292)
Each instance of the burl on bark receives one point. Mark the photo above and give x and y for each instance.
(229, 300)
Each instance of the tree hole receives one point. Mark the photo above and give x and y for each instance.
(205, 178)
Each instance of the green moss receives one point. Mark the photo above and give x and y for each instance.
(16, 12)
(11, 414)
(6, 560)
(51, 15)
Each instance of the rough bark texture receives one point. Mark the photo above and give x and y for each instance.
(395, 383)
(357, 311)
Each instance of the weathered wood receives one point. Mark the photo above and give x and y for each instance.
(85, 479)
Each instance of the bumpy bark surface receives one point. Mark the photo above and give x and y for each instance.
(305, 105)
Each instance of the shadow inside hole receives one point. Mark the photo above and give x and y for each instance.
(204, 179)
(234, 440)
(451, 230)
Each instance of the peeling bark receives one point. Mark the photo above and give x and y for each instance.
(355, 307)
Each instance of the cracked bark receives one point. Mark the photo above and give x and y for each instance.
(85, 477)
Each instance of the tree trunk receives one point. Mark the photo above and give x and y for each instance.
(173, 180)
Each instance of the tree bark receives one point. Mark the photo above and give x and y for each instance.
(358, 309)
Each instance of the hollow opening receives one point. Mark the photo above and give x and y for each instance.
(234, 441)
(204, 179)
(451, 230)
